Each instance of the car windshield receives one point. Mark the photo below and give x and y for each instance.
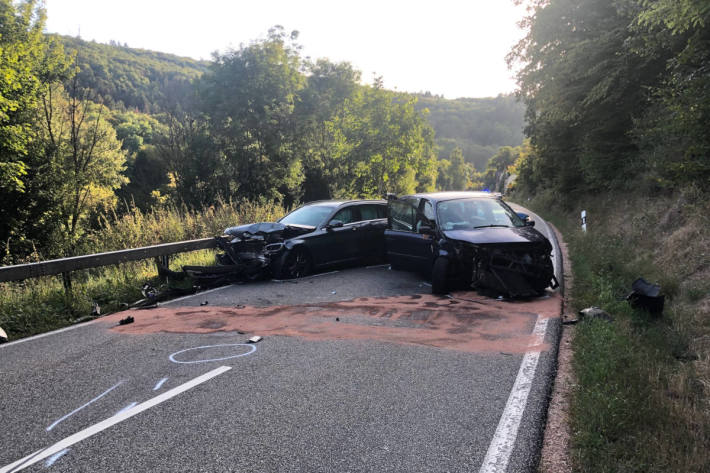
(310, 215)
(471, 214)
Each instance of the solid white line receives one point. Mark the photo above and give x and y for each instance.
(111, 421)
(198, 294)
(54, 424)
(501, 446)
(53, 332)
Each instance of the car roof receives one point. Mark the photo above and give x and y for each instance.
(335, 203)
(453, 195)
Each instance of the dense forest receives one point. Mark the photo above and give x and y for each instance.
(616, 94)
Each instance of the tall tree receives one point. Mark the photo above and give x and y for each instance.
(27, 62)
(87, 158)
(249, 96)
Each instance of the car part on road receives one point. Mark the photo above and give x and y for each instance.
(646, 296)
(126, 321)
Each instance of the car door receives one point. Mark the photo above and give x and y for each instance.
(339, 244)
(406, 247)
(371, 236)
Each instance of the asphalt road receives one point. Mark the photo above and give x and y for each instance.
(288, 403)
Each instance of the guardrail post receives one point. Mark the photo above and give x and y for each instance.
(66, 279)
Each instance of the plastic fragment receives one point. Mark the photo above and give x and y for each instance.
(255, 339)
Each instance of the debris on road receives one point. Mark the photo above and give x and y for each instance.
(255, 339)
(594, 313)
(3, 336)
(204, 303)
(646, 296)
(126, 321)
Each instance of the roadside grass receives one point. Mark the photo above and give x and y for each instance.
(39, 305)
(642, 399)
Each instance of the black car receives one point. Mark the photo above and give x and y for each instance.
(468, 239)
(335, 233)
(312, 237)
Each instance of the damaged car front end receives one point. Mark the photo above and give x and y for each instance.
(469, 239)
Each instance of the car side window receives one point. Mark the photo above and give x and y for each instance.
(346, 215)
(403, 216)
(372, 211)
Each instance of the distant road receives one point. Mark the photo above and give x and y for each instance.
(359, 370)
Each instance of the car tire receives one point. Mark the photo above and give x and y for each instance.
(295, 264)
(440, 276)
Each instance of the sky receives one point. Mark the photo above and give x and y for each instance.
(454, 48)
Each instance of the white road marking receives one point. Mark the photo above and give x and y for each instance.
(160, 384)
(50, 461)
(54, 332)
(111, 421)
(501, 446)
(54, 424)
(198, 294)
(252, 349)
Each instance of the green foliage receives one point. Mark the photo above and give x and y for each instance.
(249, 97)
(27, 61)
(86, 159)
(454, 173)
(616, 88)
(497, 170)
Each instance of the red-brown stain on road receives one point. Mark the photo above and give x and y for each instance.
(465, 322)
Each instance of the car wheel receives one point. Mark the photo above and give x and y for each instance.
(439, 276)
(296, 264)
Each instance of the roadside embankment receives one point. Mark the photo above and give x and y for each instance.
(641, 401)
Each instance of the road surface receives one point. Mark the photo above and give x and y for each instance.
(359, 370)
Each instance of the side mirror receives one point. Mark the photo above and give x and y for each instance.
(426, 230)
(526, 218)
(334, 224)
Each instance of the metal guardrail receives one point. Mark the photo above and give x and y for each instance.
(64, 266)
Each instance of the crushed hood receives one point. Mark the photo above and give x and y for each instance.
(498, 235)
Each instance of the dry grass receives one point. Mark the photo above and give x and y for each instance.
(643, 398)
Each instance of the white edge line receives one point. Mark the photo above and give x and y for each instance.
(111, 421)
(501, 447)
(53, 332)
(56, 422)
(197, 294)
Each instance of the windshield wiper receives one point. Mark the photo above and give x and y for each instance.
(489, 226)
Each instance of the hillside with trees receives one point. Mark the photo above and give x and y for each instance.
(125, 78)
(476, 126)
